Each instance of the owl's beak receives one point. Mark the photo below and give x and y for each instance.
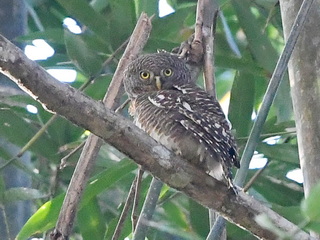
(158, 82)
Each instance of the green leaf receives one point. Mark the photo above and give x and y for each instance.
(311, 205)
(21, 194)
(83, 12)
(90, 221)
(44, 219)
(282, 106)
(258, 41)
(122, 19)
(199, 218)
(241, 64)
(150, 7)
(80, 53)
(176, 21)
(50, 35)
(282, 152)
(292, 213)
(241, 103)
(46, 216)
(277, 189)
(99, 5)
(2, 189)
(313, 226)
(19, 131)
(272, 126)
(174, 214)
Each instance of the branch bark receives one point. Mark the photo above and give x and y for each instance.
(136, 144)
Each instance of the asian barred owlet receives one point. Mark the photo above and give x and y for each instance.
(172, 109)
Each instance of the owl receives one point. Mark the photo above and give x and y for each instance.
(172, 109)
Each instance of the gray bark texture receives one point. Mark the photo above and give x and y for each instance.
(304, 74)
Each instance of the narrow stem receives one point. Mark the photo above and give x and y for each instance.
(148, 209)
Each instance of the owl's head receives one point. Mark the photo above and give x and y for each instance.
(154, 72)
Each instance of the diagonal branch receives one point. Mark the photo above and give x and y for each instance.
(136, 144)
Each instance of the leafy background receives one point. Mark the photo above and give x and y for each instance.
(248, 41)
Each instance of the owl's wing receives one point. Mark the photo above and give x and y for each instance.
(200, 114)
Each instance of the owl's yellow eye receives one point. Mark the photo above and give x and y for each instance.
(167, 72)
(144, 75)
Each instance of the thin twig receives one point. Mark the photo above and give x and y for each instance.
(123, 105)
(135, 209)
(148, 209)
(255, 177)
(5, 220)
(218, 229)
(125, 210)
(63, 162)
(113, 55)
(30, 142)
(266, 135)
(93, 143)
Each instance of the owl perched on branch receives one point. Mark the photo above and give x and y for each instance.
(172, 109)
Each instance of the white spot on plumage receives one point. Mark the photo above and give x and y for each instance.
(161, 96)
(224, 132)
(183, 90)
(155, 102)
(187, 106)
(217, 125)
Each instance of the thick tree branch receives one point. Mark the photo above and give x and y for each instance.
(122, 134)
